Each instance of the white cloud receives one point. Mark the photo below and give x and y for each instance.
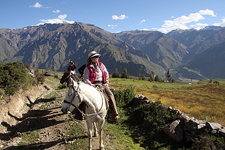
(142, 21)
(199, 26)
(60, 19)
(207, 12)
(182, 21)
(112, 26)
(121, 17)
(36, 5)
(144, 29)
(56, 11)
(222, 24)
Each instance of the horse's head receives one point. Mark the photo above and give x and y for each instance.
(65, 77)
(71, 101)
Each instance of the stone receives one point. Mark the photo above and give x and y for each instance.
(222, 132)
(174, 130)
(213, 126)
(200, 126)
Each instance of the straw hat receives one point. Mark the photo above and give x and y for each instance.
(93, 54)
(71, 62)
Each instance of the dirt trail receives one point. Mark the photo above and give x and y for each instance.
(50, 125)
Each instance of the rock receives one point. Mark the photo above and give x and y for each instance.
(174, 130)
(213, 126)
(200, 126)
(222, 132)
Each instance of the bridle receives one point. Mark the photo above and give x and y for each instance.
(73, 76)
(75, 94)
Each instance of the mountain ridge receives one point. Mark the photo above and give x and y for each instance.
(52, 46)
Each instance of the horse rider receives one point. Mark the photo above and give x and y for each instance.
(72, 67)
(95, 72)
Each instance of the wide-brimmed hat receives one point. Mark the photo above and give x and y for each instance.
(93, 54)
(71, 62)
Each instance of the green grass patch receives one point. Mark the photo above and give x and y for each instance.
(200, 100)
(118, 82)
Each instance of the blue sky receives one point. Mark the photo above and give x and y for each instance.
(115, 15)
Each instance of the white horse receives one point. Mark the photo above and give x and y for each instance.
(95, 110)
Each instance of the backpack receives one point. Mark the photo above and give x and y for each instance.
(81, 69)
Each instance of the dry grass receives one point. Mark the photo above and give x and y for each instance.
(204, 101)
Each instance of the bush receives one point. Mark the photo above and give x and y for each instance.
(148, 122)
(14, 76)
(209, 142)
(123, 97)
(150, 117)
(62, 86)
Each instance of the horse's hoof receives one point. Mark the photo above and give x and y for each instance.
(102, 148)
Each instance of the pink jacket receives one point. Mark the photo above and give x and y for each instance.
(90, 75)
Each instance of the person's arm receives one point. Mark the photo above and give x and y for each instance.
(87, 76)
(107, 74)
(68, 68)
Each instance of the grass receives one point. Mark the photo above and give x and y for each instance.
(201, 100)
(29, 138)
(116, 137)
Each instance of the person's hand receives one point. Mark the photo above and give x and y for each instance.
(105, 84)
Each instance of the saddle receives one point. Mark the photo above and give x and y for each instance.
(101, 90)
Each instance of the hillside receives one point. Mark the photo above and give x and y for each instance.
(52, 46)
(160, 48)
(209, 63)
(198, 41)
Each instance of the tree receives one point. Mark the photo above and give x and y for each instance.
(157, 78)
(116, 74)
(143, 77)
(168, 75)
(124, 73)
(27, 65)
(151, 78)
(139, 76)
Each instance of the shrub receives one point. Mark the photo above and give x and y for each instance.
(123, 97)
(148, 122)
(208, 143)
(14, 76)
(150, 117)
(62, 86)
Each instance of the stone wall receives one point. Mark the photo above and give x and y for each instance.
(18, 106)
(185, 128)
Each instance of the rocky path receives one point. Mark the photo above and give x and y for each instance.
(45, 127)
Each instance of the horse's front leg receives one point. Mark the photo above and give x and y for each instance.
(95, 129)
(89, 126)
(100, 129)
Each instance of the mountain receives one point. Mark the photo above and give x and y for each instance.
(52, 46)
(197, 41)
(160, 48)
(209, 64)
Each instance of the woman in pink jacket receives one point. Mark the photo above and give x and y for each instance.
(95, 72)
